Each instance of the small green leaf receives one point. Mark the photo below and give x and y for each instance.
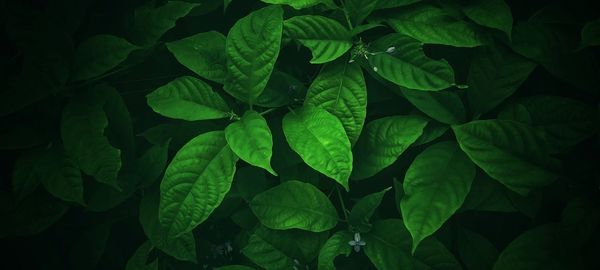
(189, 99)
(294, 204)
(152, 22)
(359, 217)
(99, 54)
(431, 196)
(443, 106)
(383, 141)
(195, 182)
(336, 245)
(491, 13)
(138, 260)
(433, 25)
(408, 66)
(202, 53)
(250, 139)
(590, 34)
(319, 138)
(341, 90)
(327, 39)
(508, 151)
(252, 47)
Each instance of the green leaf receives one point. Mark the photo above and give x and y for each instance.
(83, 126)
(432, 131)
(487, 194)
(383, 141)
(590, 34)
(362, 211)
(336, 245)
(252, 48)
(433, 25)
(388, 247)
(182, 247)
(282, 89)
(250, 181)
(319, 138)
(151, 22)
(294, 205)
(30, 216)
(195, 182)
(491, 13)
(61, 177)
(326, 38)
(431, 196)
(408, 66)
(341, 90)
(202, 53)
(26, 174)
(381, 4)
(152, 164)
(565, 121)
(235, 267)
(138, 260)
(99, 54)
(88, 248)
(579, 221)
(495, 74)
(250, 139)
(508, 151)
(189, 99)
(297, 4)
(443, 106)
(476, 251)
(359, 10)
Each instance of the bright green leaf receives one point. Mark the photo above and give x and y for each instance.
(336, 245)
(195, 182)
(250, 139)
(294, 204)
(99, 54)
(202, 53)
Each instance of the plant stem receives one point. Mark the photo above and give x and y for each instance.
(339, 193)
(268, 111)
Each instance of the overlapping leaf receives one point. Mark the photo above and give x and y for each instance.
(99, 54)
(202, 53)
(443, 106)
(250, 139)
(152, 22)
(363, 210)
(491, 13)
(336, 245)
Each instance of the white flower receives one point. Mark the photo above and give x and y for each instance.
(375, 69)
(357, 242)
(391, 49)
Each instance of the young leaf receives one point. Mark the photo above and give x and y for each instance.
(383, 141)
(202, 53)
(363, 210)
(443, 106)
(336, 245)
(491, 13)
(250, 139)
(495, 74)
(195, 182)
(341, 90)
(294, 204)
(138, 260)
(189, 99)
(408, 66)
(182, 247)
(435, 186)
(590, 34)
(475, 250)
(433, 25)
(252, 48)
(99, 54)
(151, 22)
(508, 151)
(319, 138)
(326, 38)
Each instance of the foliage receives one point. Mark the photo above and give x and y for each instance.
(313, 134)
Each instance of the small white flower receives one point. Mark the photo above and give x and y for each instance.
(375, 69)
(391, 49)
(357, 242)
(351, 60)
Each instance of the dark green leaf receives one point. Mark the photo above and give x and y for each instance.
(336, 245)
(443, 106)
(138, 260)
(476, 251)
(359, 217)
(590, 34)
(151, 22)
(491, 13)
(282, 89)
(202, 53)
(99, 54)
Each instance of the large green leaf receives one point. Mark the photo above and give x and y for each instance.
(383, 141)
(336, 245)
(433, 25)
(495, 74)
(407, 65)
(138, 260)
(202, 53)
(388, 247)
(195, 182)
(565, 121)
(319, 138)
(252, 48)
(491, 13)
(182, 247)
(152, 22)
(590, 34)
(360, 215)
(189, 99)
(508, 151)
(294, 205)
(443, 106)
(99, 54)
(326, 38)
(431, 196)
(341, 90)
(250, 139)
